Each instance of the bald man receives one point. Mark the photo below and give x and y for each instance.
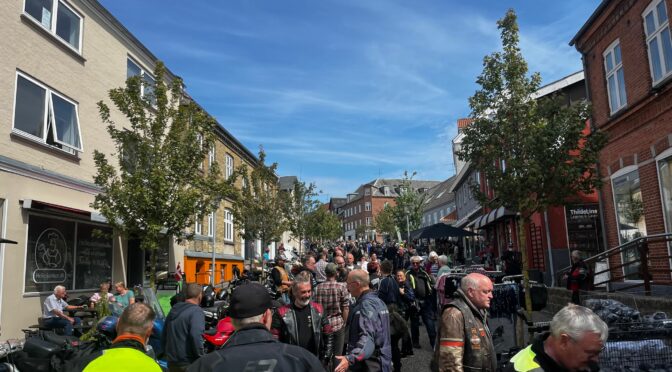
(465, 342)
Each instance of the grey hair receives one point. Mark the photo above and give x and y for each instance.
(575, 320)
(416, 259)
(468, 282)
(59, 288)
(443, 259)
(576, 253)
(240, 323)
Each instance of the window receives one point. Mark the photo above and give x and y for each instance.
(148, 82)
(228, 170)
(367, 191)
(613, 70)
(199, 140)
(367, 206)
(360, 208)
(368, 221)
(629, 216)
(211, 155)
(211, 224)
(67, 24)
(198, 227)
(46, 116)
(228, 225)
(665, 178)
(658, 40)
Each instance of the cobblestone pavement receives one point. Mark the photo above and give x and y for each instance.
(419, 362)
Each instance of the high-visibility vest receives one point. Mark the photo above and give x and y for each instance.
(524, 361)
(123, 359)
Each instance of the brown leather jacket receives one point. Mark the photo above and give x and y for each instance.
(465, 342)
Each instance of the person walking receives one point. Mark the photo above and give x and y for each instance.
(422, 284)
(407, 306)
(127, 353)
(368, 345)
(578, 277)
(182, 337)
(465, 342)
(334, 298)
(252, 347)
(390, 294)
(574, 343)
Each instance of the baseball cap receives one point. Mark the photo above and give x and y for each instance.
(249, 300)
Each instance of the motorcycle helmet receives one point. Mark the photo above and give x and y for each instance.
(208, 299)
(108, 326)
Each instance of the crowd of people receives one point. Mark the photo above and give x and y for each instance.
(351, 309)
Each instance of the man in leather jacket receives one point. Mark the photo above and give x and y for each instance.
(465, 342)
(252, 347)
(302, 322)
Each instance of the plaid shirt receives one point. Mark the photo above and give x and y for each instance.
(334, 297)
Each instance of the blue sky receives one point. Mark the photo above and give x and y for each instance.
(340, 92)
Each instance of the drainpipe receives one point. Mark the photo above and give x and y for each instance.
(548, 247)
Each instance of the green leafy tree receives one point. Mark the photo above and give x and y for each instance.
(360, 231)
(259, 206)
(157, 186)
(409, 205)
(323, 225)
(384, 222)
(299, 204)
(535, 153)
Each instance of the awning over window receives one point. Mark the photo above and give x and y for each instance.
(38, 205)
(492, 216)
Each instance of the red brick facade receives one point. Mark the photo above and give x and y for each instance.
(642, 130)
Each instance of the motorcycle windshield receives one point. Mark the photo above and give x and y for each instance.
(153, 302)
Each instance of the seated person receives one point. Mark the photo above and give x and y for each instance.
(104, 292)
(53, 315)
(123, 298)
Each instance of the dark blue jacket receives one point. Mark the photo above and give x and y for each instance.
(253, 348)
(369, 337)
(182, 337)
(388, 291)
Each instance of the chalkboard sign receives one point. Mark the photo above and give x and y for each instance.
(62, 251)
(93, 262)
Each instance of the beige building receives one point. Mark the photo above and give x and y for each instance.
(58, 59)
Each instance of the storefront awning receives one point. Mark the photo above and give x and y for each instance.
(43, 206)
(493, 216)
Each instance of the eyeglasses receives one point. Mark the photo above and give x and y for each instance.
(589, 353)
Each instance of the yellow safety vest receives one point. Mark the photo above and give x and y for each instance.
(121, 360)
(524, 361)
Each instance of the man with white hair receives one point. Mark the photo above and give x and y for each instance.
(574, 343)
(465, 342)
(53, 314)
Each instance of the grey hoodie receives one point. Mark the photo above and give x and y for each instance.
(182, 337)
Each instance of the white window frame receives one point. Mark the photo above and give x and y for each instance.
(657, 34)
(367, 206)
(621, 101)
(54, 21)
(211, 224)
(368, 221)
(367, 191)
(198, 226)
(228, 169)
(48, 109)
(660, 158)
(199, 139)
(360, 209)
(228, 225)
(143, 72)
(211, 156)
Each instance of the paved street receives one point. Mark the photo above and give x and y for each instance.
(421, 358)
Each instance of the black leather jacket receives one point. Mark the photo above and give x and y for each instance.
(253, 348)
(285, 329)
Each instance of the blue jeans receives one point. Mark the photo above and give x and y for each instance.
(428, 313)
(57, 322)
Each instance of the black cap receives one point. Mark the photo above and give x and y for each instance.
(249, 300)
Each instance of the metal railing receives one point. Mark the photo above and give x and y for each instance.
(637, 268)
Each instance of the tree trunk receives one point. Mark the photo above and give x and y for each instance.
(523, 222)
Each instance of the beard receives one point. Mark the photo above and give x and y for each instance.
(303, 303)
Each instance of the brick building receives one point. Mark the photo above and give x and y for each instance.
(627, 54)
(362, 206)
